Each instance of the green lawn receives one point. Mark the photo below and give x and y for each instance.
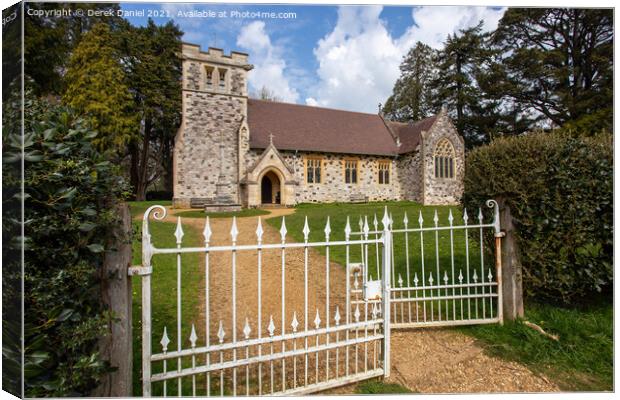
(582, 359)
(139, 207)
(246, 212)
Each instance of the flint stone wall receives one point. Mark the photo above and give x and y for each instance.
(440, 191)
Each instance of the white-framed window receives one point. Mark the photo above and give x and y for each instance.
(444, 159)
(350, 171)
(313, 170)
(384, 172)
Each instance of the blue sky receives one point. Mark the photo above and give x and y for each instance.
(344, 57)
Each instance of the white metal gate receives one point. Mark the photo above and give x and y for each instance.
(313, 339)
(439, 289)
(299, 349)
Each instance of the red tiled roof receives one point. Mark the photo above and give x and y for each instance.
(410, 132)
(307, 128)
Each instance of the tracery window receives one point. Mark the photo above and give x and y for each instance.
(350, 171)
(384, 172)
(444, 159)
(313, 170)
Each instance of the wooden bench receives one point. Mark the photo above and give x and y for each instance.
(358, 198)
(199, 202)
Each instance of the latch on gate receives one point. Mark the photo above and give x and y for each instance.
(137, 270)
(372, 290)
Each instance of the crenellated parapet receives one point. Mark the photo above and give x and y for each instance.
(213, 71)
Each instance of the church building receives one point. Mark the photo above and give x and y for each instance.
(232, 151)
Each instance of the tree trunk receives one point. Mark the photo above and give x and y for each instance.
(142, 178)
(133, 168)
(167, 164)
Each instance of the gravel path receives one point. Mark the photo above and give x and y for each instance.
(423, 360)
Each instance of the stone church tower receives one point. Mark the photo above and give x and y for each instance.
(214, 106)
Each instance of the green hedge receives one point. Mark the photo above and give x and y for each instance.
(70, 190)
(560, 192)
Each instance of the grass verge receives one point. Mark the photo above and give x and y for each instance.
(582, 359)
(139, 207)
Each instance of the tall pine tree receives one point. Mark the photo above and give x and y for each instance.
(154, 70)
(456, 86)
(412, 98)
(97, 89)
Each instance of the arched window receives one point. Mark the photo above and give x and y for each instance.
(444, 159)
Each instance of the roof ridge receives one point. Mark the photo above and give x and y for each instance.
(314, 107)
(410, 123)
(394, 135)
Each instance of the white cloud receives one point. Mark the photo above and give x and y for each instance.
(311, 101)
(433, 24)
(269, 65)
(359, 59)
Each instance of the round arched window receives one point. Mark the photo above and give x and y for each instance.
(444, 159)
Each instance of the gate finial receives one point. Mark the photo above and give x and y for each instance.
(347, 229)
(178, 233)
(493, 204)
(306, 230)
(207, 231)
(259, 231)
(159, 213)
(283, 229)
(386, 220)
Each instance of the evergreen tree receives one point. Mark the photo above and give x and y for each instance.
(96, 88)
(412, 97)
(154, 71)
(50, 40)
(457, 88)
(558, 62)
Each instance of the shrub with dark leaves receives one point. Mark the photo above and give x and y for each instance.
(560, 191)
(70, 192)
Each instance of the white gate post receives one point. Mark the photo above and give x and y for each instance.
(387, 257)
(146, 335)
(146, 270)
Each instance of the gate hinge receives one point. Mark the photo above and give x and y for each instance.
(500, 234)
(139, 270)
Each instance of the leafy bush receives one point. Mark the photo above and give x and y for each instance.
(560, 192)
(11, 244)
(70, 191)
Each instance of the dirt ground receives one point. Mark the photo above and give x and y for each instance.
(423, 360)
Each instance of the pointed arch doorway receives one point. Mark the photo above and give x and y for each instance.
(270, 188)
